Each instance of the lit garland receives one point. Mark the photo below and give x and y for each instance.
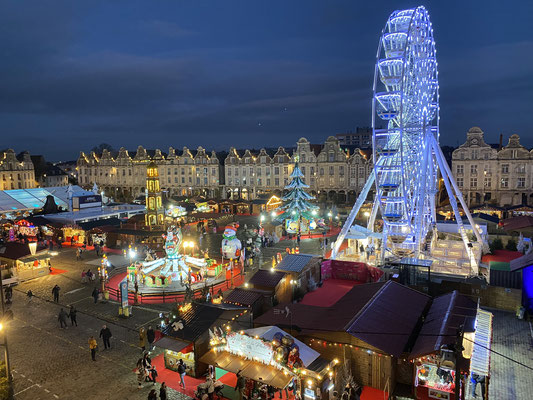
(347, 345)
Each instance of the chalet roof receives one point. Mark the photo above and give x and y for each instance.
(243, 297)
(294, 262)
(196, 320)
(266, 278)
(446, 314)
(15, 250)
(383, 314)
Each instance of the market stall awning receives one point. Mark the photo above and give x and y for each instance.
(250, 369)
(480, 363)
(171, 344)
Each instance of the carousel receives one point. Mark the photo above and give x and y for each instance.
(171, 272)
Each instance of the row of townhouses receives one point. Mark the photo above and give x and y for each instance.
(485, 173)
(331, 172)
(493, 174)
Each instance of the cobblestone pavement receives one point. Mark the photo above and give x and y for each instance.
(513, 338)
(53, 363)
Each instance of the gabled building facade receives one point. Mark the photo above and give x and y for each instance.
(488, 175)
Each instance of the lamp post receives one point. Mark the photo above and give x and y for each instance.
(10, 392)
(367, 215)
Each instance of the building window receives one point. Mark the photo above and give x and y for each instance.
(285, 170)
(251, 172)
(473, 169)
(276, 170)
(504, 183)
(312, 170)
(521, 169)
(303, 170)
(460, 169)
(474, 154)
(521, 183)
(276, 182)
(473, 182)
(331, 156)
(460, 182)
(505, 168)
(268, 182)
(229, 171)
(302, 158)
(236, 171)
(487, 182)
(331, 170)
(321, 171)
(267, 171)
(341, 170)
(259, 182)
(263, 159)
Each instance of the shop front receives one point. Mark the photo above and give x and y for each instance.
(266, 357)
(24, 261)
(73, 235)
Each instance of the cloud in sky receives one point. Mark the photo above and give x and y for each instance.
(241, 73)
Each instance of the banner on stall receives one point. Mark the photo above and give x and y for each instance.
(124, 293)
(249, 347)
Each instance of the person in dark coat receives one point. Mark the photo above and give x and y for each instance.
(62, 318)
(150, 335)
(163, 392)
(152, 395)
(72, 315)
(95, 294)
(105, 334)
(153, 375)
(55, 292)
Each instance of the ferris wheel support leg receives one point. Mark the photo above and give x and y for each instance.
(461, 200)
(453, 192)
(351, 217)
(373, 214)
(422, 195)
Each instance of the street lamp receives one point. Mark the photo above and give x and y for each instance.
(366, 214)
(10, 394)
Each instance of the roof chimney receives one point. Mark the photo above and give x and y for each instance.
(501, 141)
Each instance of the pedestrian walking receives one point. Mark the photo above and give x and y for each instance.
(78, 254)
(72, 315)
(150, 335)
(142, 339)
(152, 395)
(153, 374)
(475, 379)
(210, 387)
(49, 266)
(55, 292)
(30, 295)
(181, 370)
(240, 385)
(93, 345)
(163, 391)
(140, 373)
(95, 294)
(105, 334)
(62, 318)
(298, 238)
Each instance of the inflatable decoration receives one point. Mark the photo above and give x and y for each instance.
(231, 246)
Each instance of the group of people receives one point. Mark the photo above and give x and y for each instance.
(87, 276)
(63, 317)
(106, 335)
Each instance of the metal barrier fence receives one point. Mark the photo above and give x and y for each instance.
(165, 297)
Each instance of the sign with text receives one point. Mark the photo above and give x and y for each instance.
(87, 201)
(124, 293)
(249, 347)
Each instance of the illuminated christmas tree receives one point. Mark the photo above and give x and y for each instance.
(297, 211)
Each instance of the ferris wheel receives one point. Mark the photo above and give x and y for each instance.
(406, 101)
(406, 153)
